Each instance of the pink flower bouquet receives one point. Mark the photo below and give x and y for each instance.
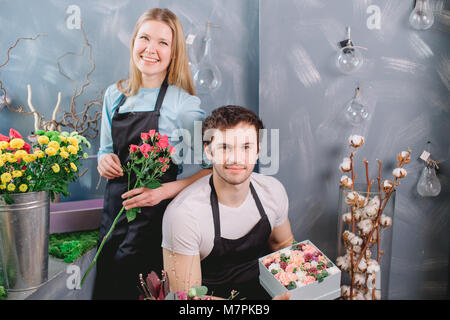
(299, 265)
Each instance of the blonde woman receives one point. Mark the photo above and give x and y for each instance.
(159, 95)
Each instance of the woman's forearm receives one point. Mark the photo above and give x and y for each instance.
(172, 189)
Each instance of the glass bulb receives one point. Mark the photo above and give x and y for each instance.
(207, 76)
(355, 111)
(429, 185)
(193, 65)
(421, 18)
(349, 60)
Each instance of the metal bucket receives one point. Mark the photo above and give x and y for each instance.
(24, 229)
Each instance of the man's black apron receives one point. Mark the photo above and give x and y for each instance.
(233, 264)
(133, 247)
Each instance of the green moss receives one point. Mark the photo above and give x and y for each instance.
(72, 245)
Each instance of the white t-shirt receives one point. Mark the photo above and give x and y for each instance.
(188, 225)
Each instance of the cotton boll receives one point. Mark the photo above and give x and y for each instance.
(404, 156)
(358, 295)
(345, 291)
(347, 217)
(362, 266)
(358, 215)
(360, 279)
(375, 201)
(351, 198)
(346, 165)
(365, 226)
(387, 186)
(356, 141)
(372, 266)
(385, 221)
(356, 241)
(361, 201)
(346, 182)
(399, 173)
(370, 211)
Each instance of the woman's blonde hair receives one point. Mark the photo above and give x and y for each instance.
(179, 72)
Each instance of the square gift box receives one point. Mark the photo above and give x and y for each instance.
(324, 287)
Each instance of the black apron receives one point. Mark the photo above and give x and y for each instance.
(233, 264)
(133, 247)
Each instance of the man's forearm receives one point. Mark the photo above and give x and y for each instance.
(175, 187)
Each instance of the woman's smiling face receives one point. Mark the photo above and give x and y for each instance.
(152, 50)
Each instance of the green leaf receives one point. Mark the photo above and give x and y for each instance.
(152, 184)
(274, 271)
(291, 285)
(8, 199)
(329, 264)
(131, 214)
(198, 291)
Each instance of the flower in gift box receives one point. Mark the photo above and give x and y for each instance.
(299, 265)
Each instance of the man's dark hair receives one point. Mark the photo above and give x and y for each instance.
(227, 117)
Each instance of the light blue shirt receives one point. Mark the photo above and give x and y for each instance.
(179, 110)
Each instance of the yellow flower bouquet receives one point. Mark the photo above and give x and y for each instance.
(49, 163)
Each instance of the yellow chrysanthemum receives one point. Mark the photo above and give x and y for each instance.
(67, 170)
(43, 139)
(19, 154)
(11, 187)
(1, 163)
(55, 168)
(39, 153)
(54, 144)
(17, 174)
(4, 145)
(72, 149)
(23, 187)
(2, 186)
(62, 138)
(11, 158)
(73, 166)
(16, 143)
(73, 141)
(64, 154)
(5, 177)
(29, 158)
(50, 151)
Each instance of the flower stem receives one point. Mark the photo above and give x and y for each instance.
(102, 244)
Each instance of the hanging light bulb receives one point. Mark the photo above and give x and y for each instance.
(429, 184)
(207, 77)
(192, 57)
(349, 58)
(421, 18)
(355, 111)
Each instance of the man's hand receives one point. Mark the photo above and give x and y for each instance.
(143, 197)
(109, 166)
(284, 296)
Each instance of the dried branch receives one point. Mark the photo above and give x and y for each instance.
(81, 121)
(2, 89)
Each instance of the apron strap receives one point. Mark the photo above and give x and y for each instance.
(161, 94)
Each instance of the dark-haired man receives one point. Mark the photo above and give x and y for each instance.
(215, 230)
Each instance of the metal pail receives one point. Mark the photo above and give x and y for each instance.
(24, 229)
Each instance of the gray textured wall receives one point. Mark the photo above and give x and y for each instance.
(108, 26)
(405, 84)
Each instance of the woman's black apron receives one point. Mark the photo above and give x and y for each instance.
(133, 247)
(233, 264)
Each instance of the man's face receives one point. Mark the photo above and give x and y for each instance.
(234, 152)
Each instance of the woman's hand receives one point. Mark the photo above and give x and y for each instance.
(144, 197)
(109, 166)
